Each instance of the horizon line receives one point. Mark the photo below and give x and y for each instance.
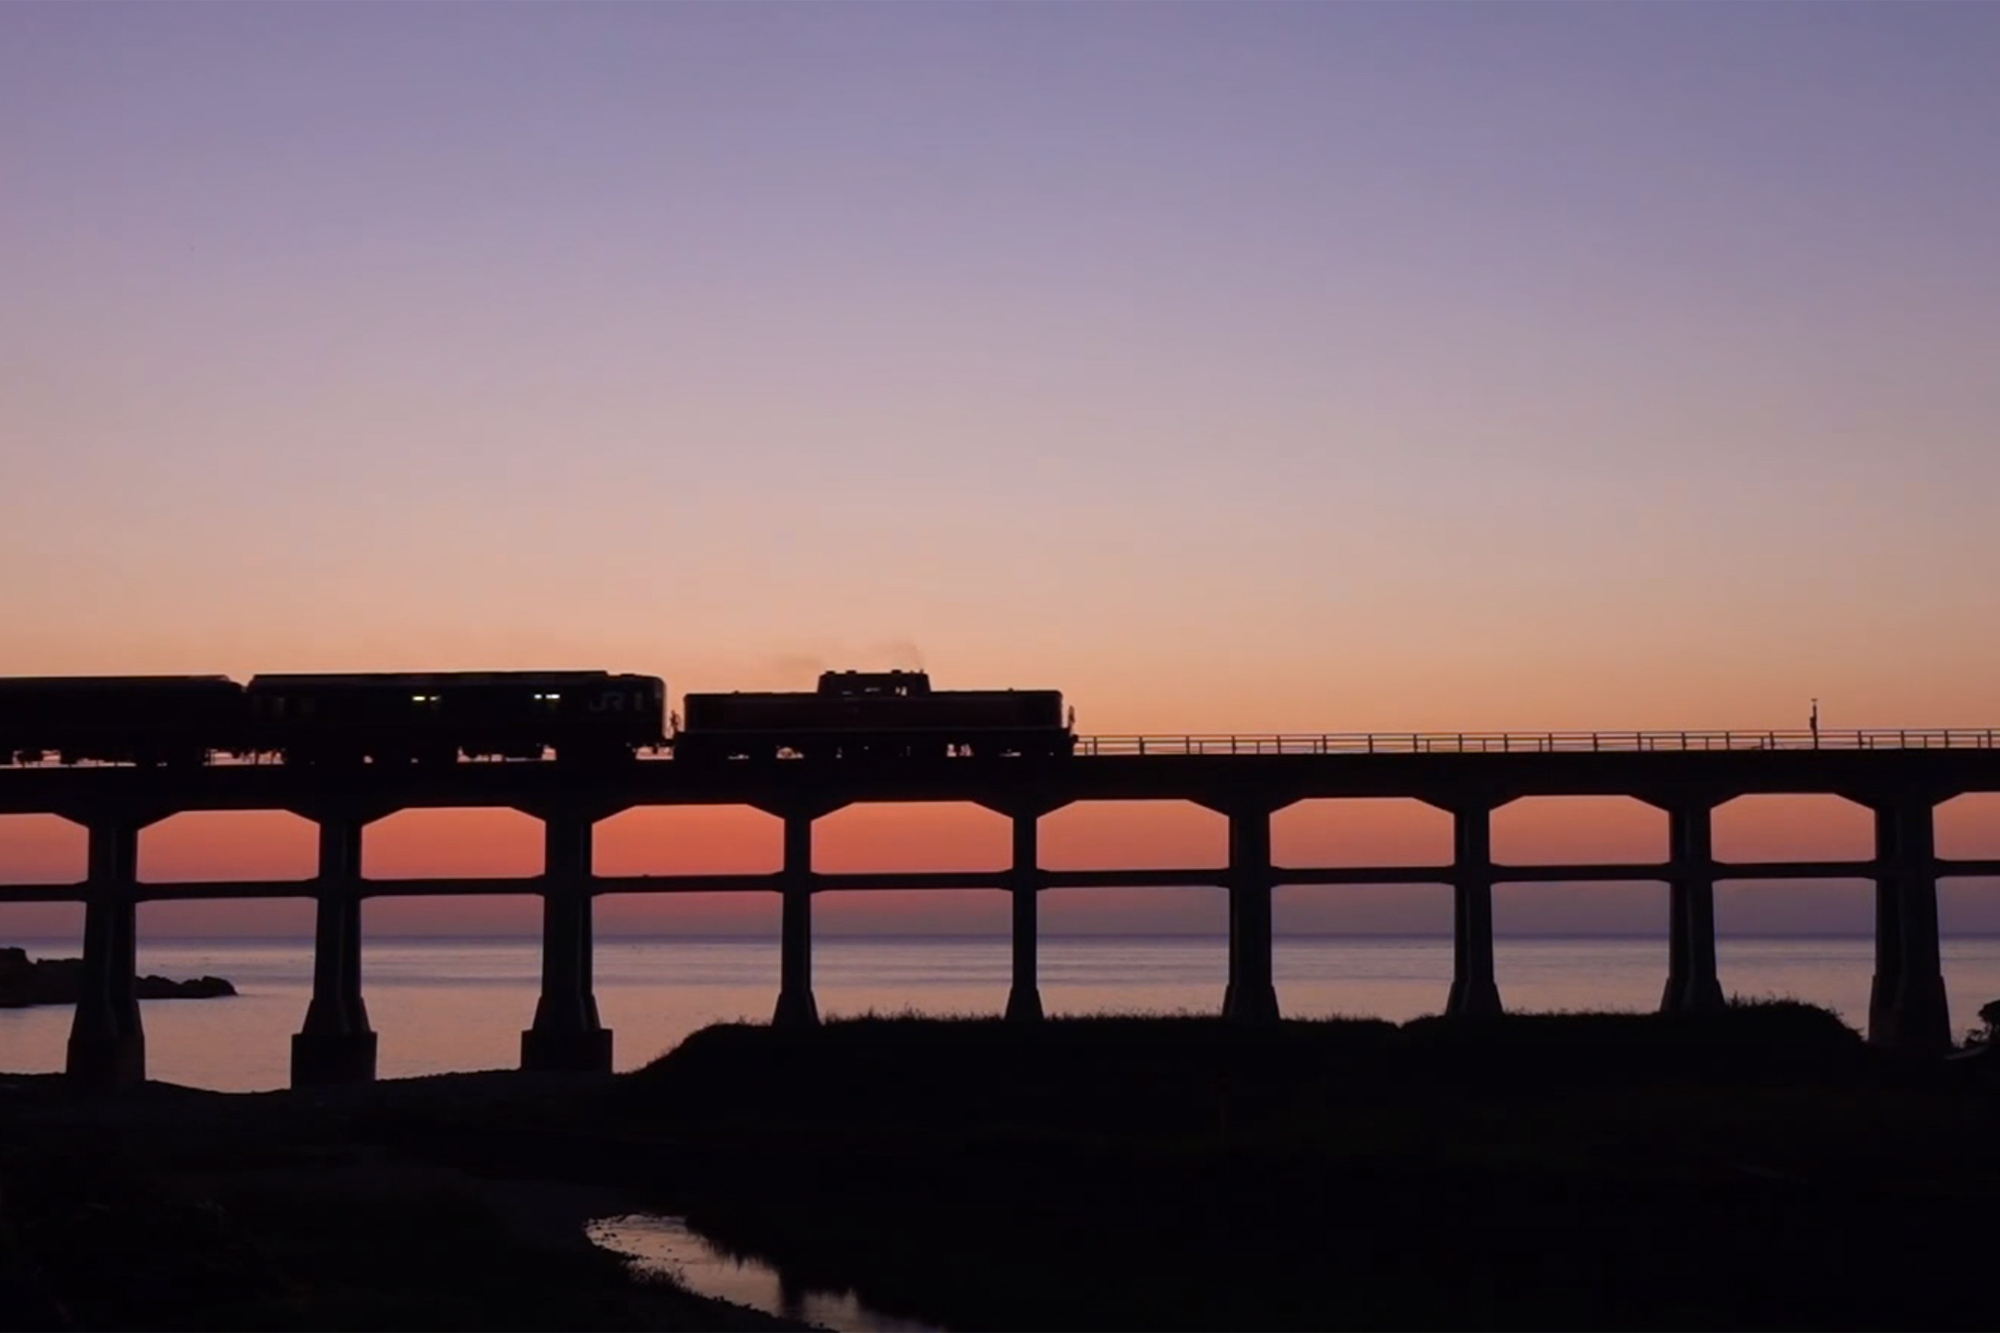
(1438, 936)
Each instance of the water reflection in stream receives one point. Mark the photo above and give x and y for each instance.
(660, 1244)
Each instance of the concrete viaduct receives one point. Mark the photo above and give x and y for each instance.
(1900, 776)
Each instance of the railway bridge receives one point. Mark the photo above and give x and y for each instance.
(1901, 776)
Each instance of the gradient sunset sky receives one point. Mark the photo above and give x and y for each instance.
(1228, 367)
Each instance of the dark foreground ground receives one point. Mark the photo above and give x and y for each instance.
(171, 1208)
(1758, 1169)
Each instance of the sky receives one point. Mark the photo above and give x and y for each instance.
(1229, 367)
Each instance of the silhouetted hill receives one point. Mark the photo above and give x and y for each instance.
(1741, 1169)
(1160, 1074)
(1757, 1168)
(173, 1208)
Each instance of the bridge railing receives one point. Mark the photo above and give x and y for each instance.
(1540, 742)
(1434, 742)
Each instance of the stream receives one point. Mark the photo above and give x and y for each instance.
(656, 1242)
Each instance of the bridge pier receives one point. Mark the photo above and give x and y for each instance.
(567, 1036)
(1692, 983)
(1474, 993)
(1024, 997)
(1888, 949)
(336, 1044)
(1906, 1003)
(107, 1043)
(796, 1008)
(1251, 996)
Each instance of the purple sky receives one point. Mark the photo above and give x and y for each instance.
(1260, 367)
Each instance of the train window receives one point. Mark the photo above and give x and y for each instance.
(549, 698)
(423, 698)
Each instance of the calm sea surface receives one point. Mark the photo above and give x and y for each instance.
(448, 1004)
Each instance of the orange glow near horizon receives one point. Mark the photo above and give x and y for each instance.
(1968, 827)
(1607, 829)
(432, 844)
(1793, 828)
(689, 840)
(1366, 832)
(952, 836)
(203, 845)
(1136, 834)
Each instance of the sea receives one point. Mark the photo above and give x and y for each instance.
(443, 1004)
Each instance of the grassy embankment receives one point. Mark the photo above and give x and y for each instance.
(171, 1208)
(1761, 1168)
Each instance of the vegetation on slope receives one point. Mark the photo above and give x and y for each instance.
(1761, 1167)
(175, 1209)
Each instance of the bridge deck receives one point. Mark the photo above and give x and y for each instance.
(1540, 742)
(1448, 775)
(1419, 742)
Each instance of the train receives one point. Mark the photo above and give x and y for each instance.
(144, 720)
(581, 718)
(874, 715)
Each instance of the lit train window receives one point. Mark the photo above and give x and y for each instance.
(549, 698)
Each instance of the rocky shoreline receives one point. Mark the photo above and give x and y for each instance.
(25, 981)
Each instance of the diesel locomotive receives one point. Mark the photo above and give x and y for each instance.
(873, 715)
(585, 717)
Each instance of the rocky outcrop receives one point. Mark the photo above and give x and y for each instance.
(24, 981)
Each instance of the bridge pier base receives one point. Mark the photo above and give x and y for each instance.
(321, 1059)
(107, 1042)
(1693, 985)
(336, 1045)
(796, 1007)
(584, 1052)
(1907, 1007)
(1474, 992)
(567, 1037)
(1024, 997)
(1251, 996)
(1888, 956)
